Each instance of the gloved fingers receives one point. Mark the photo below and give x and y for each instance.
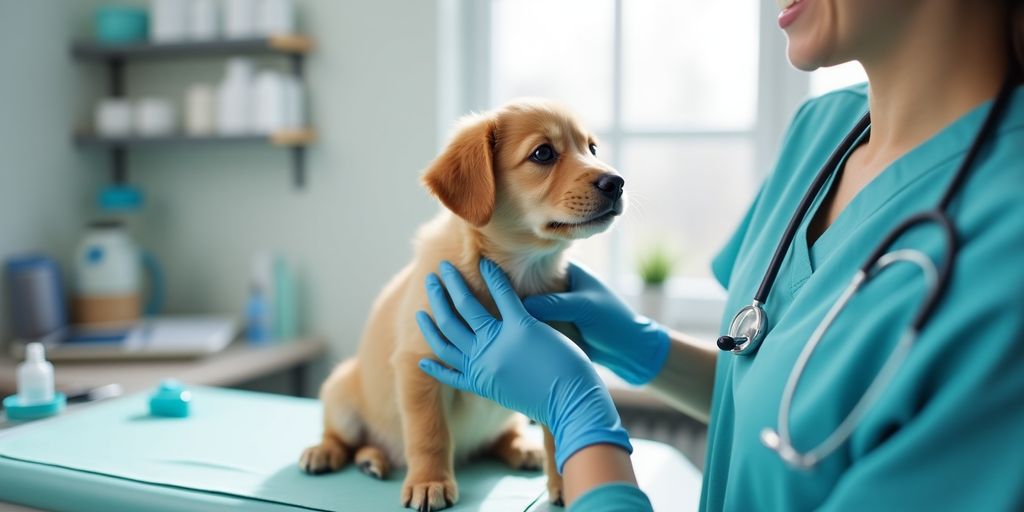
(447, 320)
(581, 277)
(557, 307)
(509, 304)
(453, 378)
(465, 302)
(448, 352)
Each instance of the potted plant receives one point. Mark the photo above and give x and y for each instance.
(655, 266)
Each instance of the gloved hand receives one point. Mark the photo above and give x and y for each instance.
(631, 345)
(517, 361)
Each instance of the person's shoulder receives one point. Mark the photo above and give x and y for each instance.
(997, 179)
(992, 202)
(819, 125)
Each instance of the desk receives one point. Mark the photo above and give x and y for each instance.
(239, 363)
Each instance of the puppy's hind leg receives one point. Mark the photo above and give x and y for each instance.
(517, 450)
(372, 461)
(342, 425)
(330, 455)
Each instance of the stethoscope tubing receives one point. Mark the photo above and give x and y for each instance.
(805, 204)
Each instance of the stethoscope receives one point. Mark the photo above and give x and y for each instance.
(747, 329)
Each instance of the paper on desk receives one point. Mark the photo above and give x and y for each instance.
(238, 443)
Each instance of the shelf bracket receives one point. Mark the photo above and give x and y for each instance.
(299, 166)
(118, 154)
(298, 152)
(115, 74)
(119, 165)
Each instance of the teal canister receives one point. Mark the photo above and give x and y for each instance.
(116, 24)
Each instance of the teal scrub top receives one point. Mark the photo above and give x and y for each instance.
(948, 431)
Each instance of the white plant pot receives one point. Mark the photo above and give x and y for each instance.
(652, 301)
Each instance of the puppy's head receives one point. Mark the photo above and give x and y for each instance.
(528, 167)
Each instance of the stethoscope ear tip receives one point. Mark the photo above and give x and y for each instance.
(726, 343)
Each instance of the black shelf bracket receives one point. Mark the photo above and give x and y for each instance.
(118, 154)
(298, 152)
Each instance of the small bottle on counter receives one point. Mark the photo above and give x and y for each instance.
(35, 376)
(257, 317)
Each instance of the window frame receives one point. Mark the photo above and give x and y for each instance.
(465, 31)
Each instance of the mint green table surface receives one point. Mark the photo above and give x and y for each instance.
(238, 451)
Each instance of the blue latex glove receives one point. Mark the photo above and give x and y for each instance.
(631, 345)
(517, 361)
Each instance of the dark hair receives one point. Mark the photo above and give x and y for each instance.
(1017, 35)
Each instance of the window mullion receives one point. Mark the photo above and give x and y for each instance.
(782, 89)
(616, 259)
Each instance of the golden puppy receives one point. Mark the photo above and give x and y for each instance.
(521, 183)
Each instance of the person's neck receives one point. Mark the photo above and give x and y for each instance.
(944, 65)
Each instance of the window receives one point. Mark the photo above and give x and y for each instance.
(672, 88)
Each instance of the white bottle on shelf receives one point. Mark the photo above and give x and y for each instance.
(234, 98)
(269, 102)
(200, 110)
(202, 20)
(295, 104)
(240, 19)
(276, 17)
(169, 20)
(35, 377)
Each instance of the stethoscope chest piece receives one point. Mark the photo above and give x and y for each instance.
(746, 330)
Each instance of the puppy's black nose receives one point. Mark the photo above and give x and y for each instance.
(610, 185)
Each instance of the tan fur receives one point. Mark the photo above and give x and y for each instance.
(380, 404)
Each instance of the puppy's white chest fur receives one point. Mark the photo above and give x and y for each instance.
(476, 423)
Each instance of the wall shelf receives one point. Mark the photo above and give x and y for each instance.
(114, 56)
(285, 138)
(286, 45)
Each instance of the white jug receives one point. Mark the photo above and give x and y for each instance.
(108, 277)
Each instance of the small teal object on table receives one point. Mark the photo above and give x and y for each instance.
(170, 400)
(17, 411)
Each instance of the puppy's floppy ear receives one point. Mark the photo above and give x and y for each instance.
(462, 177)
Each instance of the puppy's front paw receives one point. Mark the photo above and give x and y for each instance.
(426, 495)
(555, 490)
(323, 458)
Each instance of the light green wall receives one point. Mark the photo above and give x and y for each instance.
(372, 84)
(44, 182)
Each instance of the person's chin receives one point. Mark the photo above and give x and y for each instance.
(805, 53)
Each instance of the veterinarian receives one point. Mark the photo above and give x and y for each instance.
(900, 391)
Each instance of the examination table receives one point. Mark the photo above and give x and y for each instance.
(238, 451)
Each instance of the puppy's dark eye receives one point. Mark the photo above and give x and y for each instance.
(544, 154)
(593, 149)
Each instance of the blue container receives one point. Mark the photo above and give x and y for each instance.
(35, 296)
(121, 24)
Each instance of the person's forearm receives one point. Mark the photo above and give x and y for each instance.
(595, 465)
(688, 376)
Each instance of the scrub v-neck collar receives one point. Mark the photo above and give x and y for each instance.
(948, 144)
